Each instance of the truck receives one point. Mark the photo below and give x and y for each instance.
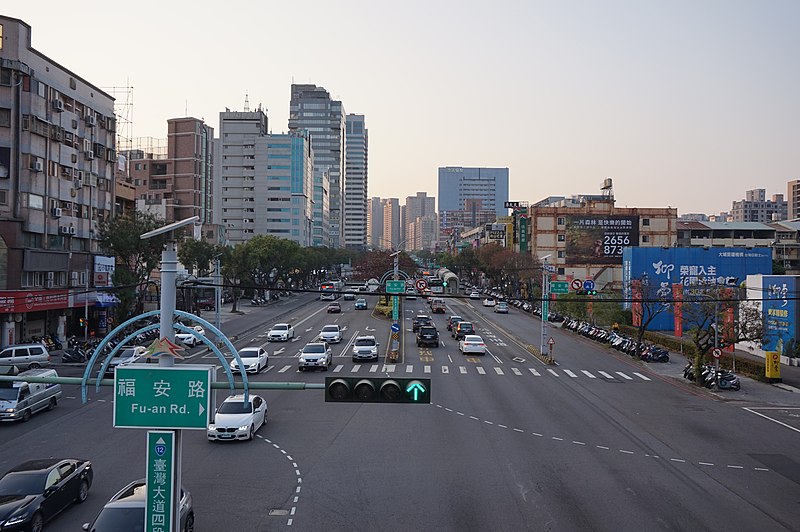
(20, 399)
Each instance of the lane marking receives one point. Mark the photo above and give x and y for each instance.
(445, 369)
(773, 420)
(641, 376)
(409, 368)
(588, 374)
(373, 368)
(553, 372)
(284, 369)
(568, 372)
(516, 371)
(427, 369)
(338, 368)
(355, 368)
(498, 370)
(535, 373)
(623, 375)
(604, 374)
(481, 370)
(462, 370)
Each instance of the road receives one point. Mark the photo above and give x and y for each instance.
(597, 442)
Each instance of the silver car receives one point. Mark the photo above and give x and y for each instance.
(331, 334)
(315, 355)
(365, 348)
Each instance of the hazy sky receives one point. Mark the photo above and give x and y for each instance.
(684, 103)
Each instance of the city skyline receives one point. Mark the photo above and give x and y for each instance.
(684, 105)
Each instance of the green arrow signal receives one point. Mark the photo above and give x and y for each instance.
(417, 388)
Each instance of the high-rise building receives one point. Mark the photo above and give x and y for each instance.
(174, 178)
(391, 223)
(419, 206)
(793, 199)
(375, 223)
(458, 184)
(57, 155)
(757, 208)
(311, 109)
(355, 183)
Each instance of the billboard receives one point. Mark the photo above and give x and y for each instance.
(684, 270)
(597, 239)
(779, 310)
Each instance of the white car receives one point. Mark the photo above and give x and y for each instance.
(331, 334)
(281, 332)
(237, 419)
(254, 359)
(411, 293)
(488, 302)
(472, 343)
(315, 355)
(365, 348)
(475, 295)
(190, 339)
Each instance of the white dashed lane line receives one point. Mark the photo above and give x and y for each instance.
(297, 473)
(606, 448)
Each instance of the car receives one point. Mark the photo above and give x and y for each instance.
(501, 307)
(411, 294)
(280, 332)
(420, 320)
(190, 339)
(349, 295)
(334, 308)
(488, 302)
(331, 334)
(427, 335)
(315, 355)
(254, 359)
(462, 329)
(126, 355)
(452, 320)
(125, 510)
(34, 492)
(365, 348)
(25, 356)
(237, 419)
(472, 343)
(361, 304)
(475, 295)
(438, 306)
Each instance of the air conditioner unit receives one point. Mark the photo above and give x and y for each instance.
(78, 182)
(58, 105)
(66, 171)
(89, 155)
(38, 166)
(57, 212)
(92, 180)
(90, 121)
(73, 231)
(64, 230)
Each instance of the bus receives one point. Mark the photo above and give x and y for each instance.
(436, 286)
(330, 290)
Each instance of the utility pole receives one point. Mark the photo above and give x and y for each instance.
(217, 291)
(545, 301)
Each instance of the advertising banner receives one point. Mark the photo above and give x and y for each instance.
(779, 311)
(593, 239)
(32, 300)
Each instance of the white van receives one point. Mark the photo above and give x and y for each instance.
(19, 400)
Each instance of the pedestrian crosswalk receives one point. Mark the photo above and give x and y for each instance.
(447, 370)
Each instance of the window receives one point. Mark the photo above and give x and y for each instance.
(645, 221)
(5, 117)
(561, 221)
(562, 238)
(560, 271)
(645, 238)
(560, 254)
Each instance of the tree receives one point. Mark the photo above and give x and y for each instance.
(197, 255)
(135, 258)
(718, 318)
(236, 268)
(648, 301)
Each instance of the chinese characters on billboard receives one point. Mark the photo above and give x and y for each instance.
(599, 239)
(780, 309)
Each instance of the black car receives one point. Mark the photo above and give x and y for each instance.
(34, 492)
(461, 329)
(427, 335)
(452, 320)
(419, 321)
(125, 510)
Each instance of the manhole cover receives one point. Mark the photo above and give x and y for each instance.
(277, 511)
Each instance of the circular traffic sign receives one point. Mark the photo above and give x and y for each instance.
(576, 284)
(421, 284)
(395, 327)
(717, 352)
(588, 284)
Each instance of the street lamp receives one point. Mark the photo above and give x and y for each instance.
(545, 300)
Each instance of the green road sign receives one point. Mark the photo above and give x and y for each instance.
(160, 481)
(158, 397)
(395, 305)
(559, 287)
(396, 287)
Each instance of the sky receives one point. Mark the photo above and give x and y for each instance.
(684, 103)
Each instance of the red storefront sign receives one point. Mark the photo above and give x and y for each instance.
(32, 300)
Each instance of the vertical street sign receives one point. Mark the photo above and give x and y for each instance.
(160, 480)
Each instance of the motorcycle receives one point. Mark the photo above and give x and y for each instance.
(73, 355)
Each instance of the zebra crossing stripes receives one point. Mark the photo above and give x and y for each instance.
(445, 369)
(553, 372)
(462, 370)
(535, 373)
(516, 371)
(641, 376)
(498, 370)
(481, 370)
(604, 374)
(623, 375)
(568, 372)
(588, 374)
(284, 369)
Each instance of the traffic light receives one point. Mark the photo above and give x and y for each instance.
(587, 292)
(82, 322)
(377, 390)
(444, 283)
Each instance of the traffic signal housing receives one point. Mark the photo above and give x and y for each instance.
(377, 390)
(587, 292)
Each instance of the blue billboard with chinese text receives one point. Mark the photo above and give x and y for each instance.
(779, 311)
(693, 269)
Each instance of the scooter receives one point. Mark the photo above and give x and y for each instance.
(73, 354)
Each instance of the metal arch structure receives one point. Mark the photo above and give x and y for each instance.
(390, 273)
(177, 326)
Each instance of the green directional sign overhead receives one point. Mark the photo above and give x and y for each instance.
(559, 287)
(157, 397)
(396, 287)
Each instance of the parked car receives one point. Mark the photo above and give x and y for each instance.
(365, 348)
(36, 491)
(315, 355)
(501, 308)
(427, 335)
(254, 359)
(420, 320)
(331, 334)
(190, 339)
(488, 302)
(25, 356)
(237, 419)
(472, 343)
(19, 399)
(361, 304)
(125, 510)
(452, 320)
(334, 308)
(462, 329)
(280, 332)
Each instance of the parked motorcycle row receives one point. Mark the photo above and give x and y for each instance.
(49, 341)
(620, 342)
(726, 379)
(79, 351)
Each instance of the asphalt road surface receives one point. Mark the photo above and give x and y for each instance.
(597, 442)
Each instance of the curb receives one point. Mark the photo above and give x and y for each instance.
(786, 387)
